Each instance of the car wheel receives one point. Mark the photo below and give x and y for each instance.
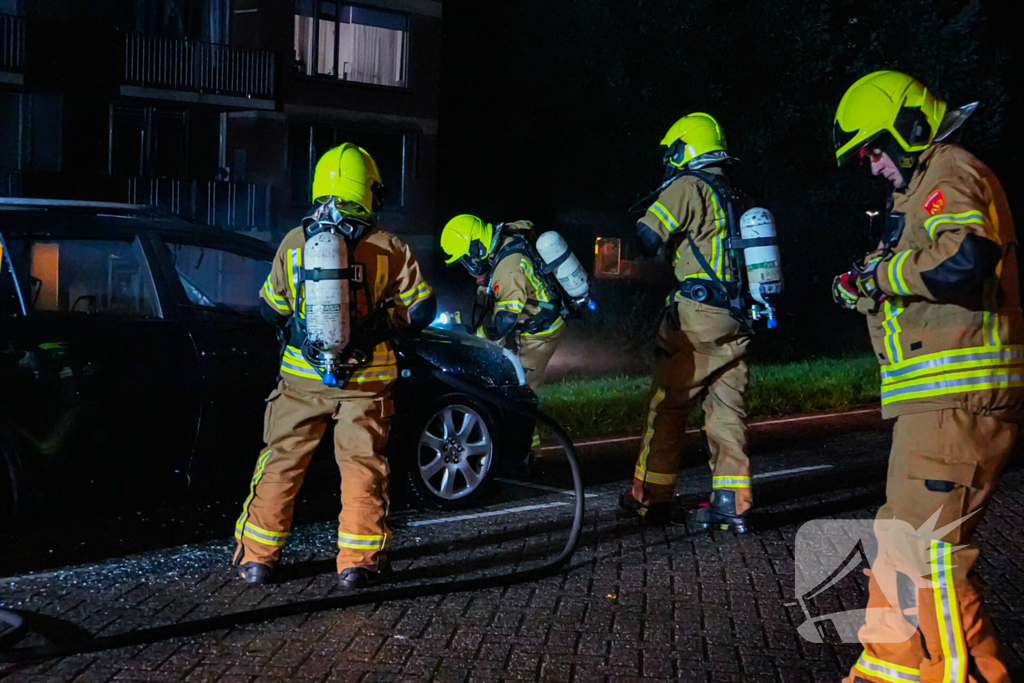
(451, 454)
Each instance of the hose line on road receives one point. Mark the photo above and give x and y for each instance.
(21, 622)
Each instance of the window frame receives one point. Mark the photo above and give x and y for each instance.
(336, 78)
(162, 239)
(23, 278)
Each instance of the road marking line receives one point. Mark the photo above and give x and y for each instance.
(779, 473)
(493, 513)
(803, 418)
(542, 487)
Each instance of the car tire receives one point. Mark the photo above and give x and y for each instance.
(449, 454)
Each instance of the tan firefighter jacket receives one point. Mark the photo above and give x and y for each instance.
(950, 334)
(689, 205)
(390, 272)
(515, 283)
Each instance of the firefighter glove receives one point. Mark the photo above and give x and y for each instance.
(867, 280)
(844, 290)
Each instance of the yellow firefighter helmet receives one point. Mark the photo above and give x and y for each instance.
(886, 102)
(691, 136)
(466, 236)
(349, 174)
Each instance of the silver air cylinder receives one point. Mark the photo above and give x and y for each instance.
(328, 324)
(764, 274)
(569, 273)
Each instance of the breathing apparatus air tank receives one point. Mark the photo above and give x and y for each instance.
(563, 263)
(763, 263)
(328, 321)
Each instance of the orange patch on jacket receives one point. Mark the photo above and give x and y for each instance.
(934, 203)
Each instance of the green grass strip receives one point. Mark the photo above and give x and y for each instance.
(615, 405)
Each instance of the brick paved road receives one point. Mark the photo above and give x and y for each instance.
(637, 603)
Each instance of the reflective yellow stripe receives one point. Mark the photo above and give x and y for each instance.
(381, 283)
(665, 216)
(947, 613)
(652, 413)
(892, 307)
(364, 542)
(514, 306)
(648, 477)
(955, 383)
(294, 364)
(717, 253)
(378, 375)
(261, 464)
(965, 218)
(554, 326)
(948, 361)
(735, 482)
(278, 302)
(991, 325)
(887, 671)
(542, 293)
(899, 285)
(421, 291)
(536, 441)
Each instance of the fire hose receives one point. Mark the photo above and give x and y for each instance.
(19, 623)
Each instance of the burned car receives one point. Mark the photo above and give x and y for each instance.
(135, 364)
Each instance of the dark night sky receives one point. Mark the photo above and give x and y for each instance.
(553, 110)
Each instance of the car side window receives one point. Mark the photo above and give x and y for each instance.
(87, 277)
(10, 300)
(216, 278)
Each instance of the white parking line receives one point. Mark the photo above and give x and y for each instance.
(779, 473)
(786, 420)
(492, 513)
(542, 487)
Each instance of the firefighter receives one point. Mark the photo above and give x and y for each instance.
(700, 349)
(525, 314)
(941, 298)
(385, 280)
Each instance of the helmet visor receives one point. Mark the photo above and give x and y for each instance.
(842, 138)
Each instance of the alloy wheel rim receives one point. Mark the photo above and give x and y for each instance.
(455, 452)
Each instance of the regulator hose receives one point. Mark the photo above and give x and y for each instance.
(21, 622)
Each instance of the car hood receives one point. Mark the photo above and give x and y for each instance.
(473, 359)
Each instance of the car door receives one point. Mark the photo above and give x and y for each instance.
(104, 384)
(217, 283)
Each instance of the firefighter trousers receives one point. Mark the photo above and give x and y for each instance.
(943, 468)
(295, 422)
(535, 352)
(702, 360)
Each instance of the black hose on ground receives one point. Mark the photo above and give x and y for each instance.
(199, 626)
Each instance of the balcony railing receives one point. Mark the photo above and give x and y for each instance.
(198, 67)
(12, 43)
(225, 204)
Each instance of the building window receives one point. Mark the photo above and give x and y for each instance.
(393, 153)
(351, 43)
(148, 142)
(610, 261)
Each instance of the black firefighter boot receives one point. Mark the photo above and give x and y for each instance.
(255, 572)
(719, 514)
(655, 513)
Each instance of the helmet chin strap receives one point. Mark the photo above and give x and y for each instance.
(906, 162)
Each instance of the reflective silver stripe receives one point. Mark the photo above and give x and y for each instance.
(947, 613)
(267, 537)
(1005, 354)
(886, 671)
(951, 386)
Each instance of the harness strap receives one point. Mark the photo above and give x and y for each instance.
(353, 274)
